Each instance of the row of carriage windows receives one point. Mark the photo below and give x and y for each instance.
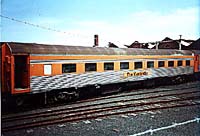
(70, 68)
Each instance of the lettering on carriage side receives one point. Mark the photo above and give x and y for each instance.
(141, 73)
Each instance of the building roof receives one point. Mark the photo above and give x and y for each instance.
(166, 43)
(137, 44)
(195, 45)
(112, 45)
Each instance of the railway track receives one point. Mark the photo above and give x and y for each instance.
(89, 106)
(137, 92)
(83, 103)
(107, 106)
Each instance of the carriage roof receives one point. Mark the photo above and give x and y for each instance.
(33, 48)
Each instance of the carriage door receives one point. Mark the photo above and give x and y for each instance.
(196, 63)
(21, 72)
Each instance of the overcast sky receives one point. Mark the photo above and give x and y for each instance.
(118, 21)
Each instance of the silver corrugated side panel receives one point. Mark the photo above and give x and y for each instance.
(47, 83)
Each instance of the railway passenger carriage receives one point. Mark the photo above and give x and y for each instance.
(36, 68)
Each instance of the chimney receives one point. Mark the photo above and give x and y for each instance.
(180, 42)
(157, 43)
(96, 40)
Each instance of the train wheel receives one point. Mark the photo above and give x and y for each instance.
(19, 101)
(61, 96)
(76, 95)
(67, 96)
(178, 80)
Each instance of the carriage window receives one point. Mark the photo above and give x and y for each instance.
(47, 69)
(170, 63)
(180, 63)
(138, 65)
(150, 64)
(124, 65)
(68, 68)
(109, 66)
(161, 64)
(187, 62)
(90, 67)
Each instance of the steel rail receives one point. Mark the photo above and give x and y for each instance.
(80, 108)
(88, 114)
(89, 100)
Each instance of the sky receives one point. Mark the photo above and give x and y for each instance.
(119, 21)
